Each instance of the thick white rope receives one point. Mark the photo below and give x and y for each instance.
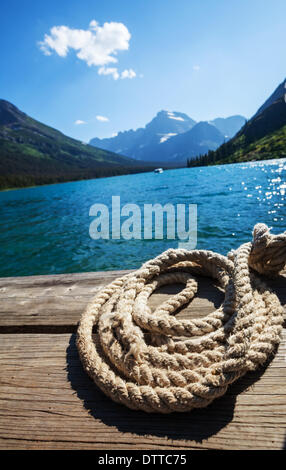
(157, 363)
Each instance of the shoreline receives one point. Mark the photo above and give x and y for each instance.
(140, 172)
(74, 181)
(89, 179)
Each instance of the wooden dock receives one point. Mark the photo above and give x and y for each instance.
(48, 401)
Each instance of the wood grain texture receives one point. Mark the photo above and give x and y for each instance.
(48, 402)
(54, 300)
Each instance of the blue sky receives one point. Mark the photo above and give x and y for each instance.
(210, 58)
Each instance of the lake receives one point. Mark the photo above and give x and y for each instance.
(45, 229)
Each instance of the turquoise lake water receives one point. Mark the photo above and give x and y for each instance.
(45, 230)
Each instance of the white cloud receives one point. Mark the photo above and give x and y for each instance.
(196, 67)
(102, 118)
(97, 45)
(128, 74)
(78, 122)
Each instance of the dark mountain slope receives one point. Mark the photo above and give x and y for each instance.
(33, 153)
(278, 93)
(262, 137)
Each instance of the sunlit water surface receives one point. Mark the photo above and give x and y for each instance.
(45, 230)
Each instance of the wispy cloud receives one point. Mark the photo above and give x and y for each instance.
(196, 68)
(97, 45)
(102, 118)
(128, 74)
(78, 122)
(113, 71)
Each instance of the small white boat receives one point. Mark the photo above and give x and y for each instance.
(158, 170)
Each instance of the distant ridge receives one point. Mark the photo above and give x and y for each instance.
(202, 137)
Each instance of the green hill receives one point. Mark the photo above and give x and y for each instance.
(32, 153)
(262, 137)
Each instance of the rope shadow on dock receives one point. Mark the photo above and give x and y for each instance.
(197, 425)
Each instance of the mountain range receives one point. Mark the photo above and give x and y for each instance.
(171, 137)
(32, 153)
(262, 137)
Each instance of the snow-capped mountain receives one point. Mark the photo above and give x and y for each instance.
(143, 142)
(169, 137)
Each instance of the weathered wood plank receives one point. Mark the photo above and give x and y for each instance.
(49, 300)
(59, 300)
(48, 402)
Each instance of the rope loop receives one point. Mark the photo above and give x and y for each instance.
(268, 254)
(155, 362)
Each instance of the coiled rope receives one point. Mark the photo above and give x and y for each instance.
(157, 363)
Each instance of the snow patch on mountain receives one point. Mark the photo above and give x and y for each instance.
(172, 116)
(166, 137)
